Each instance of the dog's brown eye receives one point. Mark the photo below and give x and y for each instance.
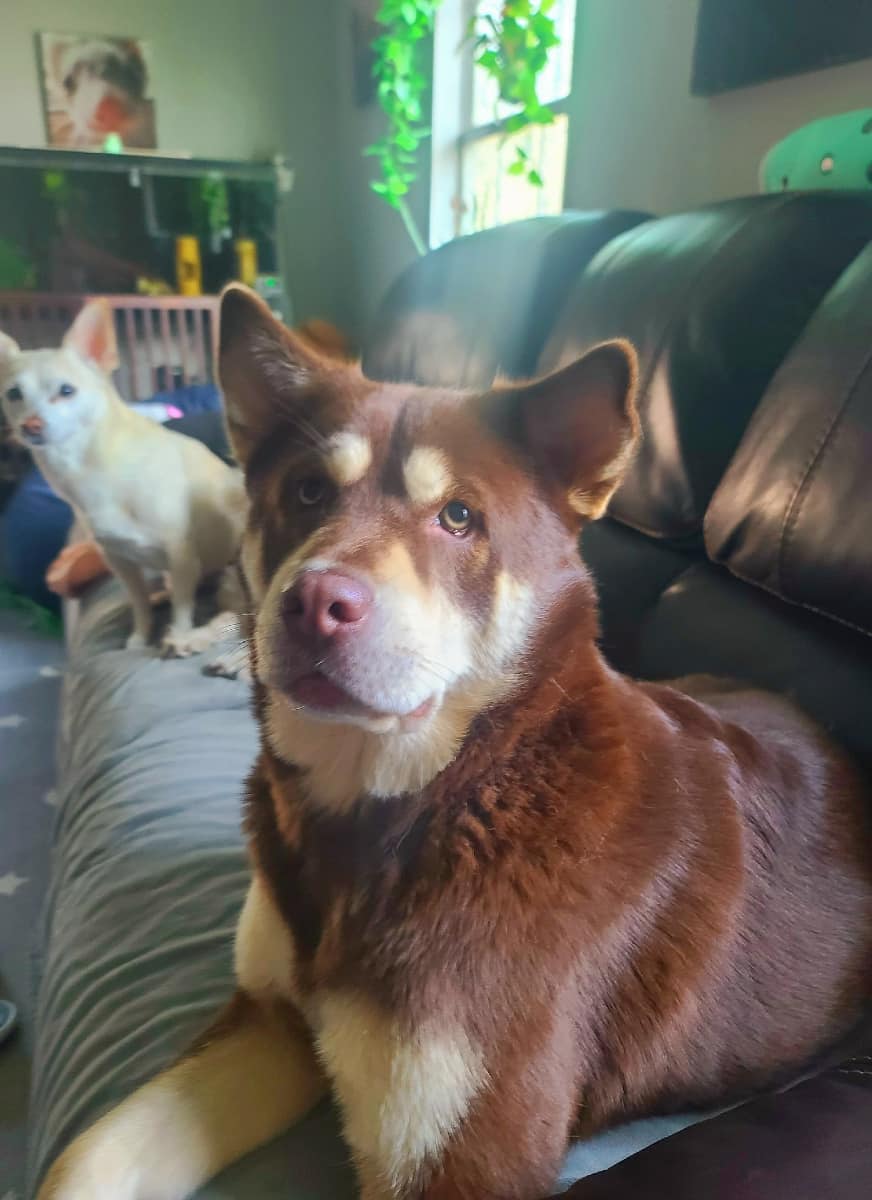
(312, 491)
(66, 390)
(14, 393)
(455, 518)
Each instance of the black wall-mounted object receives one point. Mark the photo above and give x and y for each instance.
(740, 42)
(83, 221)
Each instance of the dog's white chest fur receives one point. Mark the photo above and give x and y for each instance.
(98, 499)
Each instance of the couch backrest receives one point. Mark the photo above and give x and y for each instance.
(712, 300)
(793, 512)
(484, 305)
(792, 517)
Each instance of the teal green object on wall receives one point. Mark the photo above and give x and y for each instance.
(834, 152)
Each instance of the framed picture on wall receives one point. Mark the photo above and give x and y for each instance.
(94, 87)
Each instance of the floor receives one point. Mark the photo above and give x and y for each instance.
(30, 670)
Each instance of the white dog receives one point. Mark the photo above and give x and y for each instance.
(154, 500)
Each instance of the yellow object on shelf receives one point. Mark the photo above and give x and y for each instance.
(246, 260)
(145, 286)
(189, 270)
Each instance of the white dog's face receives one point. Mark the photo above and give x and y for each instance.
(48, 395)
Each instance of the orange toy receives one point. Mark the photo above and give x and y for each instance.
(75, 567)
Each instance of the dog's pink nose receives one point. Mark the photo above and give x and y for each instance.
(326, 604)
(34, 425)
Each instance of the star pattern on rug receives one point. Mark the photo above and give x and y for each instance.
(12, 721)
(48, 673)
(51, 799)
(9, 885)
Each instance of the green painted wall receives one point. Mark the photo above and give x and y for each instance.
(639, 139)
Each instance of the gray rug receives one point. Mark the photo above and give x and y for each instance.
(30, 669)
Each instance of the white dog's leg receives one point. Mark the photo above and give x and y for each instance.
(231, 662)
(182, 639)
(254, 1076)
(137, 588)
(231, 593)
(185, 574)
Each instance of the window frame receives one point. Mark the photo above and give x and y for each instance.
(452, 124)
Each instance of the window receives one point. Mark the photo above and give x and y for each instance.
(471, 188)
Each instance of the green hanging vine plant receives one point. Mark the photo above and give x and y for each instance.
(513, 49)
(402, 83)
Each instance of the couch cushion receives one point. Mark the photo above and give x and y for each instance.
(148, 877)
(486, 303)
(631, 572)
(708, 622)
(809, 1143)
(792, 512)
(713, 300)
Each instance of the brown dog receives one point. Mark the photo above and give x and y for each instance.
(501, 894)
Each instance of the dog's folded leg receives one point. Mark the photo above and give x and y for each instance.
(429, 1115)
(137, 588)
(231, 663)
(254, 1075)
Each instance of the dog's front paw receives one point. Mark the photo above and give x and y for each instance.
(190, 641)
(232, 664)
(136, 641)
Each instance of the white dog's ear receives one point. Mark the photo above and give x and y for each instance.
(264, 368)
(92, 335)
(9, 349)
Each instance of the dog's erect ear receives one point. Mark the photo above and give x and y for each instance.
(263, 367)
(92, 336)
(579, 426)
(9, 349)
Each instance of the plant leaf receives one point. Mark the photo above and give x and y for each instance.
(518, 121)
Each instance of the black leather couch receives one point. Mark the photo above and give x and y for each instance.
(741, 542)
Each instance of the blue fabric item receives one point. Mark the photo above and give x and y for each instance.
(35, 527)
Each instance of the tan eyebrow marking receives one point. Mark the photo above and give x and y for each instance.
(427, 476)
(349, 457)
